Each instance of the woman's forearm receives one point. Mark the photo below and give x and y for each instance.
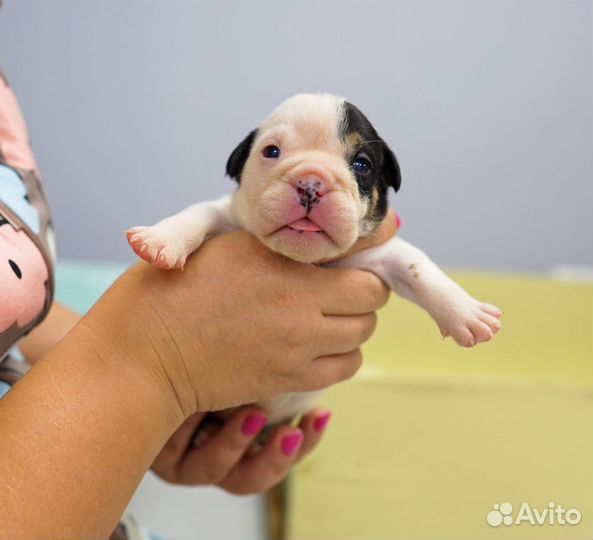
(76, 436)
(59, 321)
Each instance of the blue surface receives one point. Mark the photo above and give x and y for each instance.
(4, 387)
(80, 284)
(12, 193)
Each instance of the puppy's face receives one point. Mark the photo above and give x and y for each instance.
(313, 178)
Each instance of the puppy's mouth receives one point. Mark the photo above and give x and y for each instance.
(305, 225)
(307, 235)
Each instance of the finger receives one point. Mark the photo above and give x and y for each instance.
(384, 232)
(179, 442)
(165, 464)
(213, 460)
(313, 426)
(338, 335)
(268, 467)
(345, 291)
(328, 370)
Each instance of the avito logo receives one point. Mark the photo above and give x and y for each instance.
(554, 514)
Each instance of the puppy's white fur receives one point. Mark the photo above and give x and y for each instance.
(307, 129)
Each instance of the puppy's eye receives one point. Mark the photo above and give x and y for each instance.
(361, 165)
(271, 152)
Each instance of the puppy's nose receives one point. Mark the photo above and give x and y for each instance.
(310, 188)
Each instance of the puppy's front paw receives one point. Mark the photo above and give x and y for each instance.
(157, 247)
(467, 320)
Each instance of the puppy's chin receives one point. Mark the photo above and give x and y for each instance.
(305, 247)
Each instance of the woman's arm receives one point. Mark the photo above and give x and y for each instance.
(237, 325)
(77, 435)
(59, 321)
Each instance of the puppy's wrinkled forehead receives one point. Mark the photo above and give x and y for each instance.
(312, 121)
(321, 122)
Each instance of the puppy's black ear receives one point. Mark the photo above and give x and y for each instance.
(236, 161)
(390, 169)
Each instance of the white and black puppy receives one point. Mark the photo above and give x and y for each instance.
(312, 179)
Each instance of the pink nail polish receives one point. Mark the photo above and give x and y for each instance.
(253, 424)
(398, 220)
(290, 443)
(321, 421)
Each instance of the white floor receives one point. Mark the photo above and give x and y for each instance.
(197, 513)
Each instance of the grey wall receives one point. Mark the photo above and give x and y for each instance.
(135, 105)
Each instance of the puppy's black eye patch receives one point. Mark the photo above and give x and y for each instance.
(15, 268)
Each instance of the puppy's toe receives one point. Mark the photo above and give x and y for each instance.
(137, 240)
(134, 230)
(463, 336)
(170, 257)
(491, 310)
(481, 331)
(491, 321)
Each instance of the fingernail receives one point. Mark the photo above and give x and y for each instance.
(290, 443)
(253, 424)
(398, 220)
(321, 421)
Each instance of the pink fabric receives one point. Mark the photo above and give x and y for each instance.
(14, 137)
(24, 274)
(22, 277)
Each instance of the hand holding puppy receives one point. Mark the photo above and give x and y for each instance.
(241, 323)
(225, 458)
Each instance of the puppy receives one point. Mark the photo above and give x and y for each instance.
(312, 179)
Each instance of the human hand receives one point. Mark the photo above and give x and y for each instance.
(239, 324)
(226, 459)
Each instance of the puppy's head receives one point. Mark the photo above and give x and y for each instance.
(313, 178)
